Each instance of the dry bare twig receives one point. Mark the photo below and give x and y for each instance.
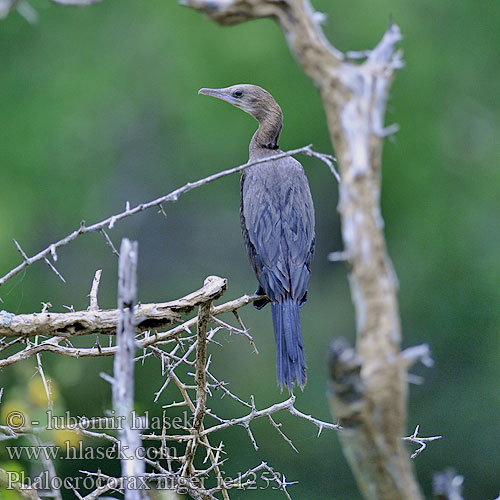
(109, 222)
(421, 441)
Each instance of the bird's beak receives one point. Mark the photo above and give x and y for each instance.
(218, 93)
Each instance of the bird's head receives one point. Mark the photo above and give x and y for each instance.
(250, 98)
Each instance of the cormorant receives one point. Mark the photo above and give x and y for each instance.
(277, 221)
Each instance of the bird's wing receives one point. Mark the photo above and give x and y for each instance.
(278, 226)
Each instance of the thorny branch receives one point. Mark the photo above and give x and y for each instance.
(60, 344)
(201, 386)
(175, 349)
(155, 316)
(51, 250)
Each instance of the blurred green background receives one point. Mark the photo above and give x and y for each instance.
(99, 105)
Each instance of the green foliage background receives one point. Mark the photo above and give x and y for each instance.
(99, 105)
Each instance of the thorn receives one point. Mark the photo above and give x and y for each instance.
(94, 306)
(20, 250)
(337, 256)
(45, 306)
(57, 273)
(53, 252)
(97, 344)
(161, 210)
(388, 131)
(107, 378)
(320, 17)
(109, 242)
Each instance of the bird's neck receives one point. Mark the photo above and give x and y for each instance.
(265, 140)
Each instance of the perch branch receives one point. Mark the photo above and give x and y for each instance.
(147, 316)
(129, 211)
(53, 344)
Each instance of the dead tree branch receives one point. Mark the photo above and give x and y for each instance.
(201, 386)
(165, 314)
(266, 412)
(202, 477)
(147, 316)
(51, 250)
(123, 368)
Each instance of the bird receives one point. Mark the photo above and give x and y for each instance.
(277, 222)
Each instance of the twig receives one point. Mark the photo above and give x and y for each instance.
(52, 267)
(421, 441)
(109, 242)
(172, 196)
(201, 385)
(285, 405)
(94, 306)
(42, 375)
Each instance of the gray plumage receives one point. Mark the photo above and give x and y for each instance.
(277, 221)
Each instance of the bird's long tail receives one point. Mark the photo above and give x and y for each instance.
(290, 360)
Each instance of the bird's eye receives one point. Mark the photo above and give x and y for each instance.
(237, 93)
